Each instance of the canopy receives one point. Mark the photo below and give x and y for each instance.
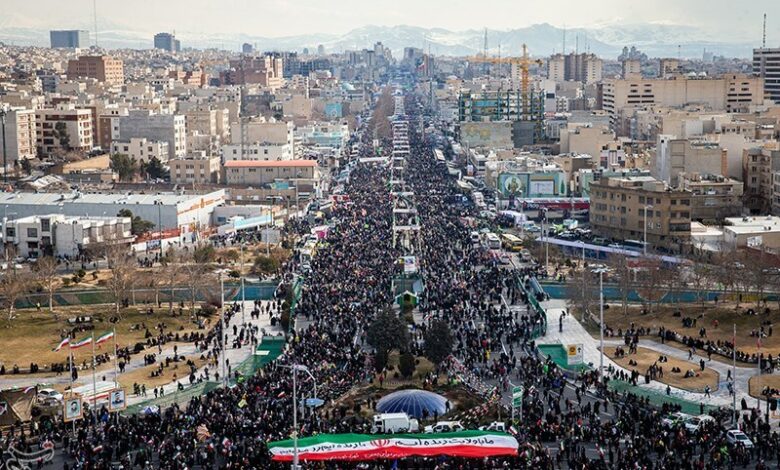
(413, 402)
(473, 444)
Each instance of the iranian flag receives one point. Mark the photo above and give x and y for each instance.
(104, 337)
(475, 444)
(81, 343)
(62, 344)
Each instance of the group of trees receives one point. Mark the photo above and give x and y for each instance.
(738, 273)
(128, 168)
(389, 332)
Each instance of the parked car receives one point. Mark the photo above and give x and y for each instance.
(735, 436)
(694, 423)
(49, 395)
(674, 419)
(445, 426)
(498, 426)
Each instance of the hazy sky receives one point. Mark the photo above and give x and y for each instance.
(732, 19)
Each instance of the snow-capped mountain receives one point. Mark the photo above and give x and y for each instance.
(655, 40)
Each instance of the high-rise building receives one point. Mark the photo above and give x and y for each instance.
(766, 64)
(266, 70)
(100, 67)
(69, 38)
(247, 48)
(167, 42)
(63, 129)
(585, 68)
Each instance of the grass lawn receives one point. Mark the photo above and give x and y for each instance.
(33, 334)
(756, 384)
(726, 315)
(647, 357)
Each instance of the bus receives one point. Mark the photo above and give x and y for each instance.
(492, 241)
(511, 242)
(634, 245)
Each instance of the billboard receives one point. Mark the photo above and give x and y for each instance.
(541, 187)
(72, 409)
(117, 401)
(574, 354)
(512, 184)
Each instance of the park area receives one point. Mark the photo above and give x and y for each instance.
(717, 319)
(646, 358)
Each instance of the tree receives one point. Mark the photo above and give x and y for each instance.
(204, 254)
(45, 270)
(122, 267)
(386, 333)
(651, 282)
(438, 341)
(154, 169)
(406, 364)
(583, 293)
(14, 284)
(622, 273)
(61, 134)
(758, 267)
(265, 265)
(138, 225)
(194, 276)
(124, 166)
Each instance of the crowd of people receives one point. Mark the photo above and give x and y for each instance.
(566, 422)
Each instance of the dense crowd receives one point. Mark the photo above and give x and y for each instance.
(567, 422)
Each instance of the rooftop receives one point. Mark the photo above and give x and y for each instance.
(54, 199)
(270, 164)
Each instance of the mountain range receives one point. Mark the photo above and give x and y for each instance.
(656, 40)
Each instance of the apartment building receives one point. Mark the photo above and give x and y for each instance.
(585, 68)
(171, 128)
(731, 93)
(766, 65)
(713, 197)
(255, 173)
(759, 166)
(265, 70)
(198, 168)
(585, 139)
(142, 149)
(631, 69)
(102, 68)
(261, 130)
(674, 156)
(20, 136)
(63, 129)
(620, 206)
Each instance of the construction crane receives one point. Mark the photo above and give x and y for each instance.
(524, 62)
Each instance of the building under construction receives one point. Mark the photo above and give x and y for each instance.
(506, 105)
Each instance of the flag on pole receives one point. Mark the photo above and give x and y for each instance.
(104, 337)
(62, 344)
(29, 389)
(81, 343)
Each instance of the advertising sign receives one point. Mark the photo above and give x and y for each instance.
(574, 354)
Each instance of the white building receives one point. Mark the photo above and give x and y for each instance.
(258, 151)
(142, 150)
(171, 128)
(58, 235)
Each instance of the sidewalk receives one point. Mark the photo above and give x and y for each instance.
(575, 333)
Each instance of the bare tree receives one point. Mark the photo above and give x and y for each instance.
(583, 294)
(699, 275)
(14, 284)
(758, 271)
(122, 267)
(651, 282)
(194, 276)
(623, 275)
(45, 270)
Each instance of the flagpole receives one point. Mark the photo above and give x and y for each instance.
(734, 373)
(94, 382)
(70, 354)
(758, 356)
(116, 354)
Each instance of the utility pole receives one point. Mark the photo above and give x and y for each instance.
(5, 151)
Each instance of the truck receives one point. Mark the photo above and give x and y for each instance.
(387, 423)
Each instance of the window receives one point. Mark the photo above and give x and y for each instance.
(45, 225)
(10, 232)
(32, 232)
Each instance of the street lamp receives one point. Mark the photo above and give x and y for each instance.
(295, 368)
(5, 152)
(222, 325)
(243, 291)
(600, 271)
(159, 225)
(644, 240)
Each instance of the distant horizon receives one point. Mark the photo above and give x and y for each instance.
(278, 19)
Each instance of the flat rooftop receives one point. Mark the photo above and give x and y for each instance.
(54, 199)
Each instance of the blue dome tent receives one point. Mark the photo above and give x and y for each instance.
(413, 402)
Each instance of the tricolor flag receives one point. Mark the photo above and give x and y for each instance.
(81, 343)
(29, 389)
(104, 337)
(62, 344)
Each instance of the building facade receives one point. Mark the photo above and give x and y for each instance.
(167, 42)
(619, 207)
(142, 150)
(196, 169)
(71, 38)
(254, 173)
(20, 135)
(766, 65)
(713, 197)
(102, 68)
(63, 129)
(171, 128)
